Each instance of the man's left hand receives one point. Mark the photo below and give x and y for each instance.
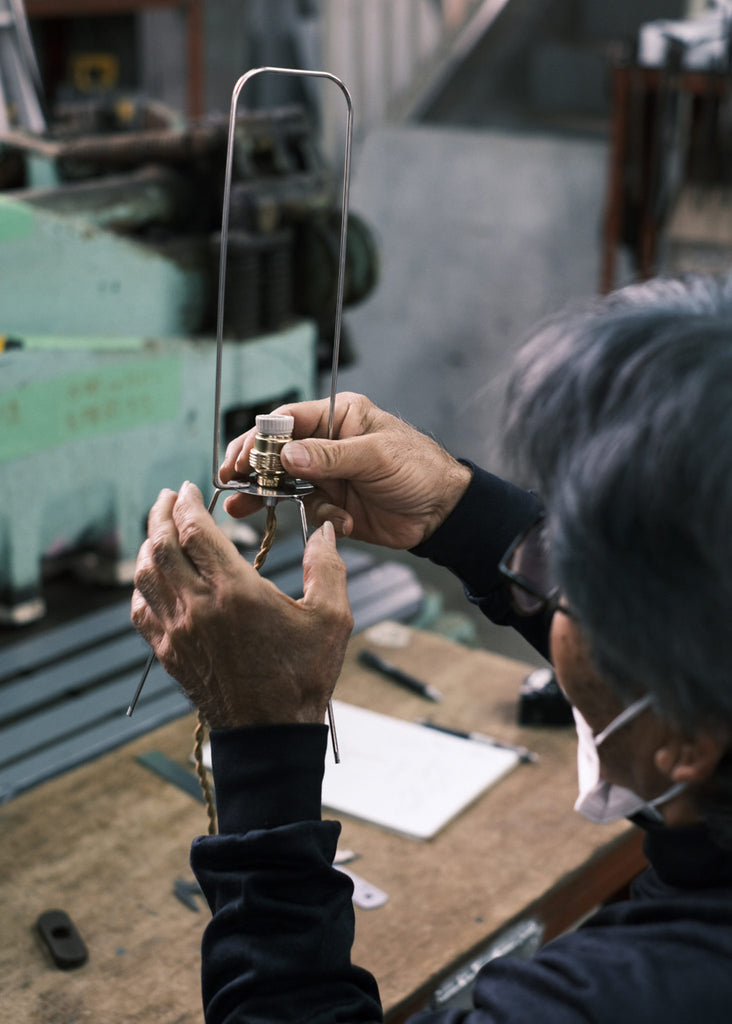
(244, 652)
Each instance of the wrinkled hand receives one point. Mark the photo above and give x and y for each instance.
(244, 652)
(382, 481)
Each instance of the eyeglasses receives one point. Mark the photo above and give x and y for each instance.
(526, 565)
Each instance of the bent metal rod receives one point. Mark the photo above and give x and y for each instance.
(295, 489)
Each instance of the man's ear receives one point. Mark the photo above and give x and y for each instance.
(684, 758)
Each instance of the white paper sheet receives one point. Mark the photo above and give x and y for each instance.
(403, 776)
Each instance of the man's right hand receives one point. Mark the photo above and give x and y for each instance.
(381, 481)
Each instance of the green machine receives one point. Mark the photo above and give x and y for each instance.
(89, 435)
(109, 254)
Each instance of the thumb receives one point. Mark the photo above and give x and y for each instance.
(318, 459)
(324, 578)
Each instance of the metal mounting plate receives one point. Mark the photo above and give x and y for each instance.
(292, 488)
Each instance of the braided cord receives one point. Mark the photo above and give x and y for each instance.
(268, 539)
(208, 797)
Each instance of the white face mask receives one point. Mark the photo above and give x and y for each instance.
(600, 801)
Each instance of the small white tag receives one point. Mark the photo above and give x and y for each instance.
(365, 895)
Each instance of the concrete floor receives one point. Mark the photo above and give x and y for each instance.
(481, 234)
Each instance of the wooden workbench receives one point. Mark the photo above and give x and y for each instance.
(107, 841)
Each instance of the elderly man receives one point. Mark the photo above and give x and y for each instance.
(621, 572)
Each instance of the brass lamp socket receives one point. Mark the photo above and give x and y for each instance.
(273, 433)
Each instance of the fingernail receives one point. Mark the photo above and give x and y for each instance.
(329, 532)
(297, 455)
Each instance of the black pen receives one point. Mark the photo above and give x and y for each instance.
(371, 660)
(524, 753)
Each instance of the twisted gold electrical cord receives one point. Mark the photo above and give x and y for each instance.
(268, 538)
(200, 730)
(199, 734)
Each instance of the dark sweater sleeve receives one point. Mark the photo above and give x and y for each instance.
(474, 537)
(278, 947)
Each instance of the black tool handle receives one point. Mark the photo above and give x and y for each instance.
(64, 943)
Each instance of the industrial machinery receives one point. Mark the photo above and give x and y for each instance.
(109, 255)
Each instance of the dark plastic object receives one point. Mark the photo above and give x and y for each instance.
(541, 702)
(64, 943)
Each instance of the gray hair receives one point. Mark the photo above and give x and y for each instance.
(620, 414)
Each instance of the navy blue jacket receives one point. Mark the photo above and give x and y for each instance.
(279, 944)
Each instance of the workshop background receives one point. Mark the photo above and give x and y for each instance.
(510, 157)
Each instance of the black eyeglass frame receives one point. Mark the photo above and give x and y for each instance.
(550, 602)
